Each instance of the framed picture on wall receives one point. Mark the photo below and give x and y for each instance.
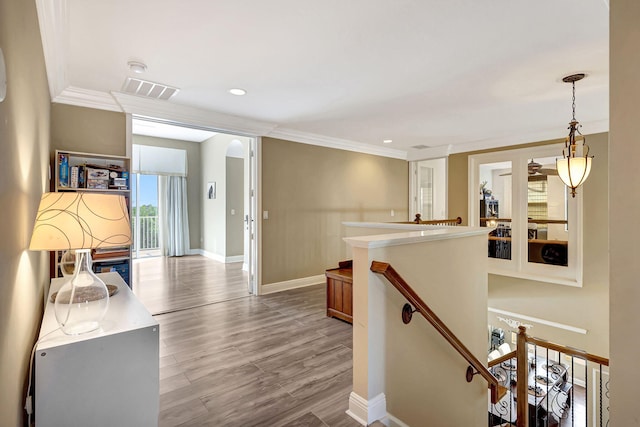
(211, 190)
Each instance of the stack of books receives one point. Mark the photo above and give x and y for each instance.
(115, 252)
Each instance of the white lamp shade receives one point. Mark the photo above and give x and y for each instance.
(81, 221)
(573, 171)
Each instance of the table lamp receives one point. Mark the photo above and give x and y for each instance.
(81, 221)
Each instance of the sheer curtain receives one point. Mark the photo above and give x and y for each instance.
(174, 235)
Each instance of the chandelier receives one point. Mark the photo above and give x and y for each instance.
(575, 165)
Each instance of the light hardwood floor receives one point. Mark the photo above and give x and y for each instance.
(165, 284)
(273, 360)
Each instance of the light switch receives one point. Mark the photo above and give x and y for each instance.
(233, 211)
(265, 214)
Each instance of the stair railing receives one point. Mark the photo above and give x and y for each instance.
(448, 221)
(416, 304)
(527, 352)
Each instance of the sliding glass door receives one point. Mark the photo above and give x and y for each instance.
(144, 215)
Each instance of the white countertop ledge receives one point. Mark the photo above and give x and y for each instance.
(409, 237)
(392, 225)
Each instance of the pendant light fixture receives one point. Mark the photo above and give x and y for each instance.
(575, 165)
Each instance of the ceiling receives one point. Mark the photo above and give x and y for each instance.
(450, 75)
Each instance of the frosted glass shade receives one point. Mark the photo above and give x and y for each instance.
(81, 221)
(573, 171)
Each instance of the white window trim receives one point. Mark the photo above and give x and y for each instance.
(518, 266)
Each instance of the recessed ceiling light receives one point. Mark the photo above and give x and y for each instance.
(137, 67)
(387, 141)
(237, 91)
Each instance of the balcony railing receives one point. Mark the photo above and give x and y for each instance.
(145, 232)
(562, 387)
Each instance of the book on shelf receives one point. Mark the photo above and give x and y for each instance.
(115, 252)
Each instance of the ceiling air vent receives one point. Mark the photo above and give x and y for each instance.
(420, 147)
(149, 89)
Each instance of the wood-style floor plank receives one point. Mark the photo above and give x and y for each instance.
(165, 284)
(273, 360)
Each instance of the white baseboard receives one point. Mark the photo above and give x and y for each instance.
(395, 422)
(291, 284)
(245, 266)
(220, 258)
(366, 411)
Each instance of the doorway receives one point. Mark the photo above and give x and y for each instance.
(145, 221)
(213, 185)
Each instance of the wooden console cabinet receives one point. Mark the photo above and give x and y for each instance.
(340, 291)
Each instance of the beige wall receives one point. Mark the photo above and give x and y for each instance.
(309, 191)
(194, 188)
(24, 138)
(421, 375)
(88, 130)
(235, 202)
(557, 303)
(214, 212)
(625, 210)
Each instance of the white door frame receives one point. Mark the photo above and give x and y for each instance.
(253, 223)
(255, 184)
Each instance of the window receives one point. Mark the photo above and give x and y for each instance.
(536, 226)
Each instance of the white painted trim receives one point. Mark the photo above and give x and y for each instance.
(367, 411)
(87, 98)
(53, 17)
(245, 266)
(534, 277)
(539, 321)
(409, 237)
(594, 126)
(395, 422)
(430, 153)
(340, 144)
(217, 257)
(212, 256)
(292, 284)
(172, 112)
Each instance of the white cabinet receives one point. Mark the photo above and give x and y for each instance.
(109, 377)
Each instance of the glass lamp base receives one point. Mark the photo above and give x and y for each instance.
(83, 301)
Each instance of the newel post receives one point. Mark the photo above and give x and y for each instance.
(522, 371)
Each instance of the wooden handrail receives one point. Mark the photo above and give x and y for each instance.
(569, 351)
(502, 358)
(448, 221)
(497, 391)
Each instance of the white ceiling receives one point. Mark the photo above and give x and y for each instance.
(453, 75)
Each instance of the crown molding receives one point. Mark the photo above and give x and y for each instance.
(173, 112)
(176, 113)
(595, 126)
(430, 153)
(337, 143)
(53, 18)
(87, 98)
